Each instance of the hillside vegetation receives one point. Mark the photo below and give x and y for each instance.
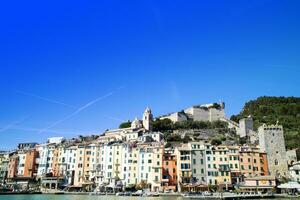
(269, 110)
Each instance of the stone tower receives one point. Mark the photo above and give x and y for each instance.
(245, 126)
(147, 118)
(271, 141)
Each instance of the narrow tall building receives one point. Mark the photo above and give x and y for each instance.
(147, 118)
(271, 141)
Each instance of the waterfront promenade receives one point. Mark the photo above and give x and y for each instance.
(102, 197)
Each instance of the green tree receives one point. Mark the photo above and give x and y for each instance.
(270, 109)
(125, 124)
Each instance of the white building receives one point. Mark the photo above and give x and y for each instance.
(295, 172)
(46, 152)
(21, 164)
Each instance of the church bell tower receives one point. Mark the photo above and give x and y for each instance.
(147, 118)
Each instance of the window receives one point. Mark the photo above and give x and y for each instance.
(195, 171)
(194, 161)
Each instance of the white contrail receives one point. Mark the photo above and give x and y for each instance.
(12, 124)
(85, 106)
(45, 99)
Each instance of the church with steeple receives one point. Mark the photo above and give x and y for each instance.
(137, 128)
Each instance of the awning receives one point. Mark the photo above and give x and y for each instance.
(256, 187)
(289, 185)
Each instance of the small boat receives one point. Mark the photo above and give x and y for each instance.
(138, 193)
(59, 192)
(123, 194)
(97, 193)
(151, 194)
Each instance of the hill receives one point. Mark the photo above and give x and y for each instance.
(269, 110)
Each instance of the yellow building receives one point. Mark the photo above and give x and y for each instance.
(155, 176)
(221, 162)
(184, 170)
(234, 163)
(80, 160)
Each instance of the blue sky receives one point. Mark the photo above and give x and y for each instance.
(80, 67)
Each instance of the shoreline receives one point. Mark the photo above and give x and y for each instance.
(227, 197)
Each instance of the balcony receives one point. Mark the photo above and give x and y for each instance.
(224, 168)
(185, 169)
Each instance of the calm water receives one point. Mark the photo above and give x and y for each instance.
(79, 197)
(87, 197)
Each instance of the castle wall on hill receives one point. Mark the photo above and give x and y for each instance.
(175, 117)
(205, 114)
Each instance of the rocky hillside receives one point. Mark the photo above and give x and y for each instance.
(269, 110)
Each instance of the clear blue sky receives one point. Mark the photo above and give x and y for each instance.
(79, 67)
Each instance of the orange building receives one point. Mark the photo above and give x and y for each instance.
(31, 166)
(55, 168)
(253, 162)
(23, 164)
(264, 164)
(169, 172)
(13, 166)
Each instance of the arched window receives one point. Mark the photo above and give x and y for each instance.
(276, 162)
